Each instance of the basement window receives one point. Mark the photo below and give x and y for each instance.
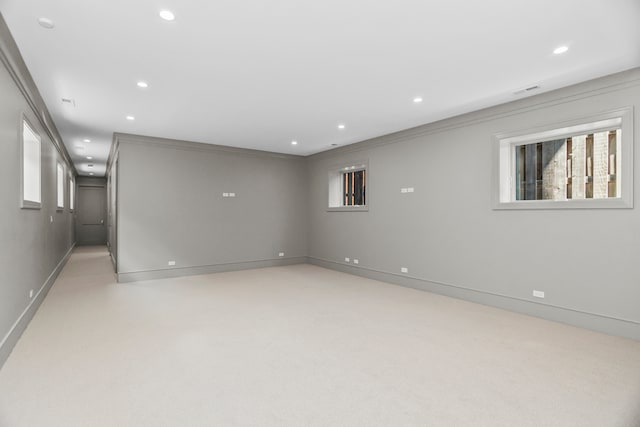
(60, 185)
(582, 164)
(31, 170)
(72, 193)
(348, 187)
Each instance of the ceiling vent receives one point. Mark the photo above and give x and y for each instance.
(527, 89)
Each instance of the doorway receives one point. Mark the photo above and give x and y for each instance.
(91, 227)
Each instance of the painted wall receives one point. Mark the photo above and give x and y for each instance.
(34, 243)
(450, 239)
(170, 207)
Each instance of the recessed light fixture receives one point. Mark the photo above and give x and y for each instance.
(143, 84)
(90, 173)
(167, 15)
(46, 23)
(86, 140)
(417, 99)
(294, 142)
(341, 126)
(89, 158)
(560, 50)
(131, 118)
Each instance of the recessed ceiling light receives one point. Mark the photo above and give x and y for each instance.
(341, 126)
(294, 142)
(131, 118)
(46, 23)
(143, 84)
(86, 140)
(90, 173)
(89, 158)
(417, 99)
(560, 50)
(167, 15)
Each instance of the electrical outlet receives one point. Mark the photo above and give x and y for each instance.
(410, 190)
(403, 190)
(404, 270)
(347, 259)
(232, 194)
(51, 218)
(355, 261)
(225, 194)
(538, 294)
(281, 254)
(171, 262)
(31, 293)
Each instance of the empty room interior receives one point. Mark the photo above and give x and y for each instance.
(336, 213)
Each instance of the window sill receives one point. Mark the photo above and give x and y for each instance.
(611, 203)
(348, 209)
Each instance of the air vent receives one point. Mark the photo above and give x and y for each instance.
(526, 89)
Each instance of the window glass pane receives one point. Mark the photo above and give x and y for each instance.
(31, 165)
(579, 167)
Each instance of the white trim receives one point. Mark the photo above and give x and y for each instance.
(24, 203)
(504, 156)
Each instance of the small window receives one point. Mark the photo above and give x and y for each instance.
(348, 187)
(72, 193)
(582, 165)
(31, 171)
(60, 186)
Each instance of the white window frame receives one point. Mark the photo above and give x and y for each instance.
(505, 167)
(335, 187)
(24, 202)
(72, 193)
(60, 181)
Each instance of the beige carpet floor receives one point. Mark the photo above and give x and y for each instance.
(302, 346)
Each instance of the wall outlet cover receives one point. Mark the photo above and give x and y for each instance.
(281, 254)
(171, 263)
(347, 259)
(355, 261)
(404, 270)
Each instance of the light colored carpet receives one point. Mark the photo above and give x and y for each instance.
(302, 346)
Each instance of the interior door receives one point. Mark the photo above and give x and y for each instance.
(92, 215)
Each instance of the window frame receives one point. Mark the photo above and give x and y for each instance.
(504, 179)
(60, 181)
(72, 193)
(25, 203)
(335, 187)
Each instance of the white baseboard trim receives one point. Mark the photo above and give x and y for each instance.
(206, 269)
(11, 338)
(593, 321)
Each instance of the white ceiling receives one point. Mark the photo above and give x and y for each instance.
(259, 74)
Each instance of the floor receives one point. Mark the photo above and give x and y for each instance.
(302, 346)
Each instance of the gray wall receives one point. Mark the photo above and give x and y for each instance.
(32, 248)
(171, 208)
(451, 240)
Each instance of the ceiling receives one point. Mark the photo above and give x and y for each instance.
(261, 74)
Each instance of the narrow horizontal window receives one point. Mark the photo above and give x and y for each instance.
(582, 165)
(31, 169)
(60, 185)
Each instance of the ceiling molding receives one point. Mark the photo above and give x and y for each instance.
(12, 59)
